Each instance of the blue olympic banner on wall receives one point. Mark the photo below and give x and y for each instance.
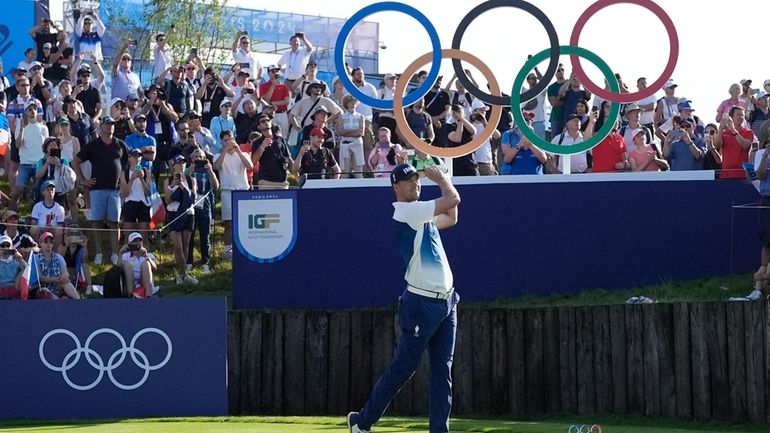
(512, 240)
(13, 32)
(113, 358)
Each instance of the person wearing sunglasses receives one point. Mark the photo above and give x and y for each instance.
(86, 90)
(125, 82)
(244, 57)
(11, 266)
(713, 158)
(685, 152)
(30, 144)
(163, 56)
(89, 32)
(54, 278)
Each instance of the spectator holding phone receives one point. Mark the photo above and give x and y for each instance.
(206, 183)
(296, 59)
(123, 122)
(124, 81)
(232, 165)
(135, 191)
(139, 266)
(163, 56)
(11, 265)
(247, 60)
(686, 152)
(75, 253)
(212, 94)
(86, 90)
(52, 166)
(180, 195)
(53, 271)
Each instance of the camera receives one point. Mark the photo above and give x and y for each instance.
(55, 152)
(477, 117)
(249, 91)
(194, 51)
(8, 251)
(299, 34)
(134, 247)
(178, 177)
(200, 165)
(244, 65)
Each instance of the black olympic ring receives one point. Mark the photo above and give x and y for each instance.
(552, 36)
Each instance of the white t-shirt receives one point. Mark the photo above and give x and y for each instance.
(578, 162)
(295, 63)
(32, 150)
(427, 267)
(232, 175)
(369, 90)
(48, 216)
(164, 59)
(539, 110)
(484, 152)
(648, 116)
(136, 261)
(250, 57)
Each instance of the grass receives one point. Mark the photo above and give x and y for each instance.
(608, 423)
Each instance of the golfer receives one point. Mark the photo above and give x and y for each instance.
(427, 311)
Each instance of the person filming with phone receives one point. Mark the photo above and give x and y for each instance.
(139, 266)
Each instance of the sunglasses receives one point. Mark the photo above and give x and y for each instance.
(23, 85)
(126, 59)
(245, 43)
(190, 69)
(148, 152)
(48, 241)
(6, 246)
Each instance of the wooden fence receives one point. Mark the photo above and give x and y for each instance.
(693, 361)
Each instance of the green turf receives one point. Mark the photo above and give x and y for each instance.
(610, 424)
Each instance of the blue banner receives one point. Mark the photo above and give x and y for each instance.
(113, 358)
(512, 240)
(14, 38)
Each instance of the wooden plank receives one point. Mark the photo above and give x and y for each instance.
(602, 358)
(635, 358)
(714, 317)
(755, 361)
(294, 363)
(234, 359)
(360, 357)
(736, 349)
(618, 358)
(517, 391)
(682, 344)
(551, 370)
(701, 379)
(666, 359)
(481, 364)
(251, 363)
(567, 359)
(402, 403)
(586, 379)
(533, 343)
(273, 363)
(316, 362)
(498, 386)
(338, 392)
(462, 374)
(651, 361)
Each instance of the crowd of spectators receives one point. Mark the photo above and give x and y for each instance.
(165, 152)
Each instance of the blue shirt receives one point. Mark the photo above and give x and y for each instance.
(682, 159)
(8, 272)
(136, 141)
(418, 240)
(764, 185)
(525, 161)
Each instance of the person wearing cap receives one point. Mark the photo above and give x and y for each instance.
(42, 35)
(428, 306)
(180, 197)
(143, 142)
(578, 163)
(11, 227)
(88, 35)
(760, 114)
(29, 58)
(233, 165)
(12, 264)
(747, 93)
(633, 122)
(483, 154)
(87, 90)
(202, 135)
(320, 119)
(735, 100)
(299, 86)
(278, 96)
(163, 55)
(644, 157)
(245, 122)
(135, 184)
(105, 155)
(686, 150)
(519, 155)
(734, 140)
(211, 96)
(47, 214)
(180, 94)
(134, 105)
(315, 160)
(139, 266)
(667, 106)
(295, 60)
(40, 87)
(223, 122)
(16, 111)
(301, 114)
(338, 91)
(245, 58)
(30, 144)
(124, 81)
(123, 122)
(53, 277)
(53, 166)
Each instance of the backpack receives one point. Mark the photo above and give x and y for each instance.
(113, 284)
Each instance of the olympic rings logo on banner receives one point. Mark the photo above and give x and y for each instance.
(495, 99)
(96, 361)
(585, 428)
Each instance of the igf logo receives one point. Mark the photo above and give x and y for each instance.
(263, 221)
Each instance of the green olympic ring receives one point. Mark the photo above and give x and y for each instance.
(592, 142)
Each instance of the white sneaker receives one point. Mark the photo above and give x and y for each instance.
(189, 268)
(98, 258)
(206, 269)
(190, 280)
(114, 258)
(353, 424)
(755, 295)
(179, 279)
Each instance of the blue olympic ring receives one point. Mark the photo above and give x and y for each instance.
(342, 39)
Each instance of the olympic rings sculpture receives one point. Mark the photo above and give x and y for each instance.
(496, 100)
(96, 361)
(584, 428)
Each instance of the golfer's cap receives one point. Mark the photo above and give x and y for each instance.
(402, 172)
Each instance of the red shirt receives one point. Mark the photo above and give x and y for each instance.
(280, 93)
(733, 155)
(608, 153)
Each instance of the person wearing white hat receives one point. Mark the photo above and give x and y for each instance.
(30, 144)
(139, 266)
(484, 152)
(86, 90)
(760, 114)
(223, 122)
(667, 106)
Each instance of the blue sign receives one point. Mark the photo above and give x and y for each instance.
(14, 38)
(264, 224)
(113, 358)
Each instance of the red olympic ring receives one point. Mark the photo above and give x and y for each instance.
(652, 88)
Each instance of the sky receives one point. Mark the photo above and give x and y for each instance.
(632, 40)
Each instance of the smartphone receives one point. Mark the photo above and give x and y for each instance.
(299, 34)
(55, 152)
(138, 168)
(134, 247)
(194, 51)
(178, 177)
(244, 65)
(249, 91)
(132, 42)
(676, 134)
(200, 166)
